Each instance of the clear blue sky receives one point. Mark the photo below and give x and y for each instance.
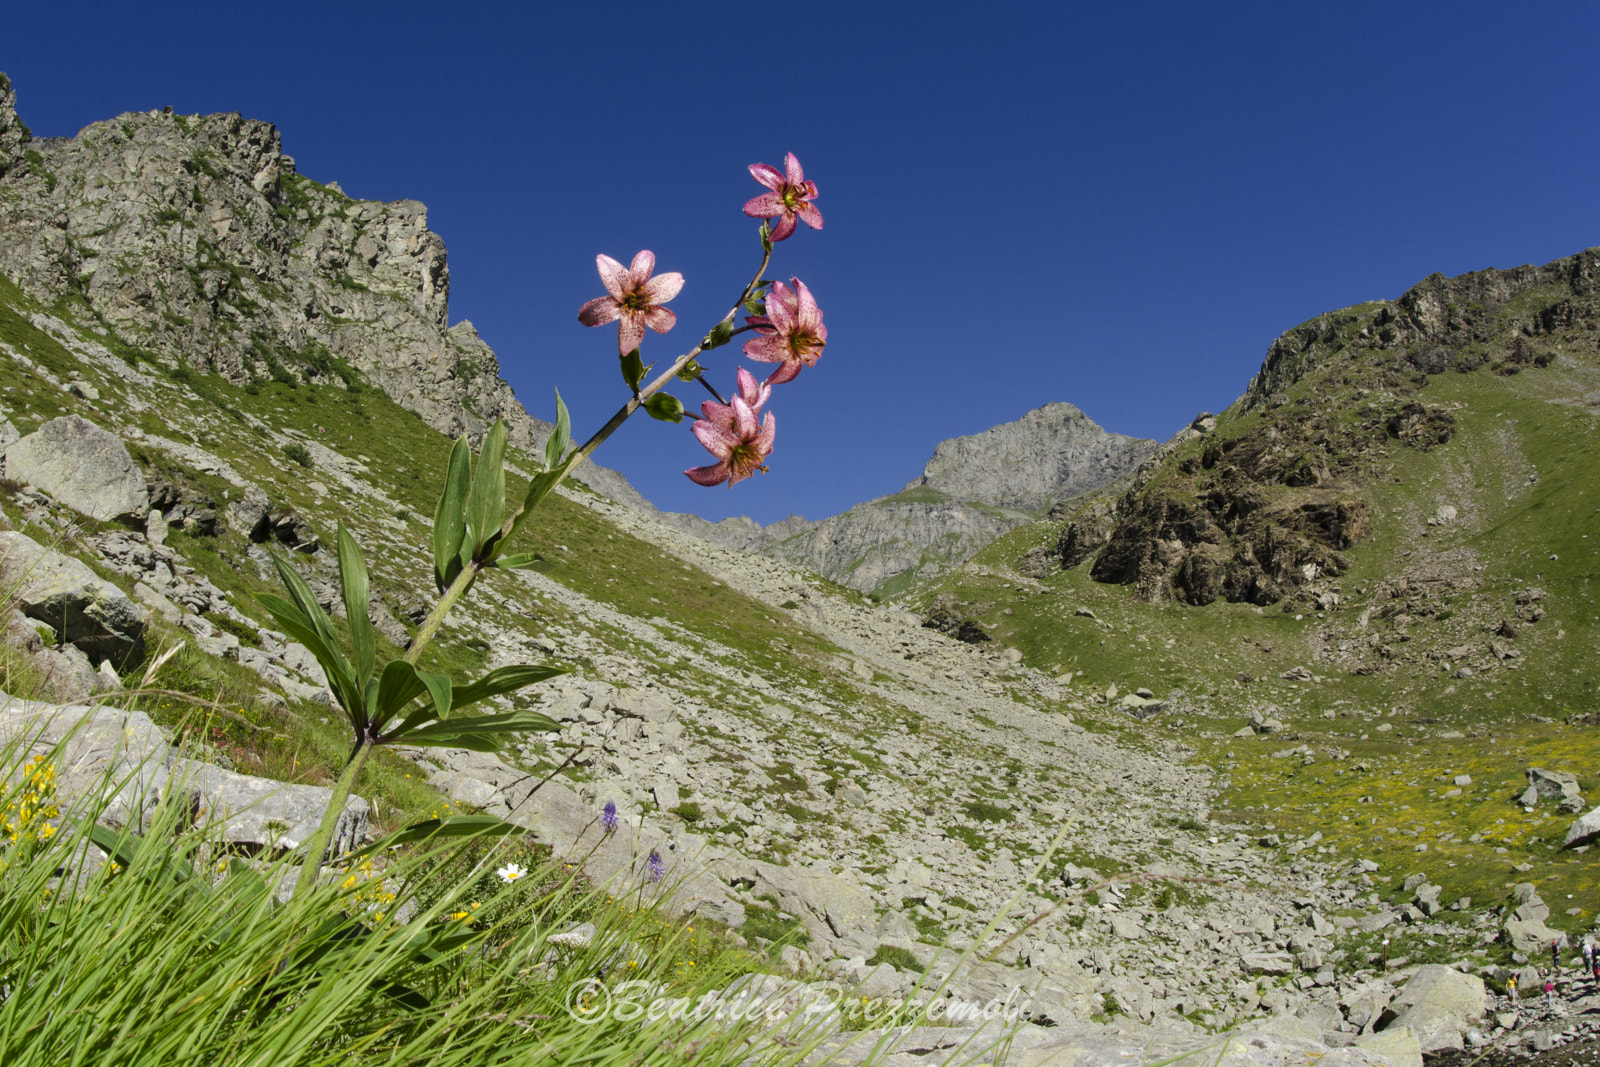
(1116, 205)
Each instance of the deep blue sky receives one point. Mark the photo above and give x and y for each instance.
(1117, 205)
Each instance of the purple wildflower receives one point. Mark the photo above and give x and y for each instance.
(608, 816)
(655, 868)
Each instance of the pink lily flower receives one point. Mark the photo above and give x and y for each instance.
(635, 298)
(791, 333)
(790, 197)
(741, 449)
(750, 392)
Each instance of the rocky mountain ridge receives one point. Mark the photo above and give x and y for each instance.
(193, 242)
(972, 490)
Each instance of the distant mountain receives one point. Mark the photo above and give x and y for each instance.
(972, 490)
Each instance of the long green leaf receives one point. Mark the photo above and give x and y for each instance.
(439, 688)
(480, 733)
(353, 584)
(449, 517)
(486, 503)
(518, 561)
(397, 687)
(305, 600)
(503, 680)
(455, 826)
(555, 446)
(332, 661)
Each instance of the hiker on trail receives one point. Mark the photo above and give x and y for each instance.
(1511, 991)
(1555, 954)
(1588, 954)
(1595, 965)
(1549, 997)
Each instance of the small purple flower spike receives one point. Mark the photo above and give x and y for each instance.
(608, 817)
(655, 868)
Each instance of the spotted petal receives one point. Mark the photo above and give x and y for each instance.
(599, 311)
(766, 175)
(613, 275)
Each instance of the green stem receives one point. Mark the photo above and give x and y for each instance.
(430, 625)
(317, 847)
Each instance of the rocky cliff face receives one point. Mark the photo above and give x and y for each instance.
(1262, 506)
(192, 241)
(972, 490)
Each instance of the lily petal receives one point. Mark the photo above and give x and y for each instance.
(771, 349)
(630, 332)
(787, 371)
(643, 264)
(784, 228)
(808, 211)
(660, 319)
(599, 311)
(715, 474)
(766, 175)
(765, 206)
(663, 287)
(795, 175)
(613, 275)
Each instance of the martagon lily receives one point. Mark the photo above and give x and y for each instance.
(634, 297)
(751, 392)
(790, 197)
(741, 449)
(790, 334)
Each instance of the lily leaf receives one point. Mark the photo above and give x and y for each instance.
(397, 687)
(486, 503)
(632, 374)
(665, 407)
(555, 446)
(479, 733)
(353, 584)
(720, 335)
(455, 826)
(449, 519)
(518, 561)
(505, 680)
(439, 688)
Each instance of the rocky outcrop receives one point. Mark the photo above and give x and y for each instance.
(195, 239)
(81, 465)
(82, 609)
(14, 136)
(1260, 505)
(970, 492)
(95, 746)
(1052, 453)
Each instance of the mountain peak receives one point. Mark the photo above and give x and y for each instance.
(1051, 453)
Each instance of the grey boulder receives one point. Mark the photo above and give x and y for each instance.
(1439, 1004)
(84, 467)
(84, 610)
(96, 746)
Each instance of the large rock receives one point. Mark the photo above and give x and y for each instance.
(96, 746)
(1439, 1004)
(84, 467)
(1552, 785)
(838, 914)
(84, 610)
(1583, 831)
